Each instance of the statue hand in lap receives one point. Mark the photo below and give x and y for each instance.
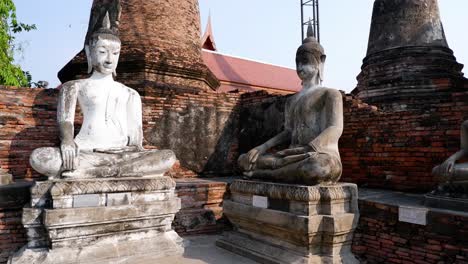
(445, 170)
(313, 126)
(253, 155)
(294, 151)
(110, 141)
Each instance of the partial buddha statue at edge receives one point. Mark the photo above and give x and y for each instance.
(453, 174)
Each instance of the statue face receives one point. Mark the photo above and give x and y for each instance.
(105, 56)
(307, 65)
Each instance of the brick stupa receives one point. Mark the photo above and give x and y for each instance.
(160, 47)
(408, 56)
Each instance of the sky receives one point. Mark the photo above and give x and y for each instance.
(264, 30)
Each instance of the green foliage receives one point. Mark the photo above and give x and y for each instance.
(11, 74)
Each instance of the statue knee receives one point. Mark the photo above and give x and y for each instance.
(320, 171)
(169, 157)
(436, 171)
(313, 174)
(46, 161)
(162, 159)
(243, 162)
(465, 124)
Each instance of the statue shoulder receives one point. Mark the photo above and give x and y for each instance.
(131, 92)
(71, 85)
(332, 93)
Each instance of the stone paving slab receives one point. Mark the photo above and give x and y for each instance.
(199, 250)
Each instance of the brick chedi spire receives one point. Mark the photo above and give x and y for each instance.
(407, 53)
(160, 45)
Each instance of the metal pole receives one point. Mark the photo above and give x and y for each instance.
(302, 20)
(318, 22)
(314, 21)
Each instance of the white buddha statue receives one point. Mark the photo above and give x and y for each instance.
(109, 143)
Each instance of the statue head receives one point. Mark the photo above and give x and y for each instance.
(103, 50)
(310, 58)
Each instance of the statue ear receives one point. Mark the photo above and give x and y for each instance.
(323, 58)
(322, 68)
(88, 57)
(321, 72)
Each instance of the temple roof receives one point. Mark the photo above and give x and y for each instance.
(236, 73)
(208, 41)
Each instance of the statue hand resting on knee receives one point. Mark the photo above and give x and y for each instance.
(313, 126)
(110, 141)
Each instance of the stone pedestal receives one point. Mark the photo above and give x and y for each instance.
(282, 223)
(100, 221)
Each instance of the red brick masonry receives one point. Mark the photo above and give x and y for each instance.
(12, 234)
(394, 148)
(202, 119)
(397, 147)
(381, 238)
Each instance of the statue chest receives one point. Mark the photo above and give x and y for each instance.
(101, 101)
(306, 110)
(305, 114)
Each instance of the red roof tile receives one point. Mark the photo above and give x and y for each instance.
(242, 74)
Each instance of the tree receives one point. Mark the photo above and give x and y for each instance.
(11, 74)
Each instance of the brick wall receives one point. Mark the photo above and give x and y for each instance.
(201, 127)
(201, 211)
(391, 147)
(396, 147)
(27, 121)
(12, 234)
(381, 238)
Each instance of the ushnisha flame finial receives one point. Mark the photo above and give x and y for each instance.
(310, 30)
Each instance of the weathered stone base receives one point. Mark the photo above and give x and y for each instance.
(269, 253)
(100, 221)
(116, 249)
(281, 223)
